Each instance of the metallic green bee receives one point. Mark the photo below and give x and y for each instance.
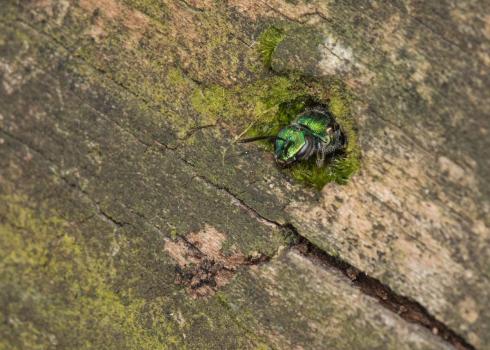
(313, 132)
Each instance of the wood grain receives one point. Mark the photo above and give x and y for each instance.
(100, 128)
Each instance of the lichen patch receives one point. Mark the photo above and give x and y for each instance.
(336, 58)
(468, 309)
(455, 172)
(13, 78)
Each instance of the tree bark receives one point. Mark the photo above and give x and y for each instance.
(130, 219)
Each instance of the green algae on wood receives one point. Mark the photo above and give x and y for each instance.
(394, 83)
(47, 272)
(59, 291)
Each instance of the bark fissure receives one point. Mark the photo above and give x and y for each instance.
(407, 308)
(239, 202)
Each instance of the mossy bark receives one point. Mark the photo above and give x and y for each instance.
(130, 219)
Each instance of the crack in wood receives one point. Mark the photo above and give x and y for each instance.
(407, 308)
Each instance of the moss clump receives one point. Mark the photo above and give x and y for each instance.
(340, 168)
(268, 41)
(296, 97)
(267, 105)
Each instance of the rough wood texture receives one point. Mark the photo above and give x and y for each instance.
(128, 215)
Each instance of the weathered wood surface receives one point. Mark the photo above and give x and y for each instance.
(118, 171)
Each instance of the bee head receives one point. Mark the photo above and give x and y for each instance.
(292, 144)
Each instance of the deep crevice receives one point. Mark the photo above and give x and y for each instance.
(407, 308)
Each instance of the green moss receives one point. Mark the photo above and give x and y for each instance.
(341, 169)
(275, 110)
(302, 95)
(56, 293)
(176, 77)
(267, 105)
(241, 105)
(268, 41)
(212, 103)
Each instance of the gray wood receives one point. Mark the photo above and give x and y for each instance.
(118, 172)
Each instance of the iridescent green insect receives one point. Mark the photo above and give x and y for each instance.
(313, 133)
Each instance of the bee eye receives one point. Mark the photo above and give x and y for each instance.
(282, 149)
(302, 152)
(286, 146)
